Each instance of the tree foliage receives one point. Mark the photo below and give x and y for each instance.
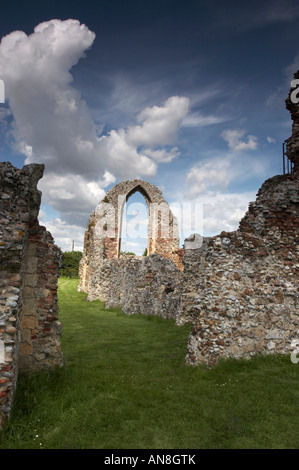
(70, 264)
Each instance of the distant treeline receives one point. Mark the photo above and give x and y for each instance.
(70, 264)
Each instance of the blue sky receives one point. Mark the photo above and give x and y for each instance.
(188, 95)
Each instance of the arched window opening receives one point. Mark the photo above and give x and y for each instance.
(134, 226)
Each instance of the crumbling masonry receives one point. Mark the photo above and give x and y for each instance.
(238, 290)
(103, 235)
(29, 327)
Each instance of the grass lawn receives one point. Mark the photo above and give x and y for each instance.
(125, 385)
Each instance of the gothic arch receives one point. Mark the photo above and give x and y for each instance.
(102, 236)
(137, 189)
(115, 200)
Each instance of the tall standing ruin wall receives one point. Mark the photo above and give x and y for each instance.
(29, 264)
(238, 290)
(103, 233)
(244, 299)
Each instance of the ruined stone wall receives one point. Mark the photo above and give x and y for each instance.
(240, 289)
(145, 285)
(103, 232)
(29, 263)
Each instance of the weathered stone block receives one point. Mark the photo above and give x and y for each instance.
(26, 349)
(29, 322)
(21, 274)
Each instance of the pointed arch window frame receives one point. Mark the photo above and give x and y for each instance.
(148, 200)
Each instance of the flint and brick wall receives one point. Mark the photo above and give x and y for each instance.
(29, 327)
(239, 290)
(103, 232)
(145, 285)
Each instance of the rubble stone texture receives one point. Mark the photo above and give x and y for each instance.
(103, 233)
(29, 263)
(238, 290)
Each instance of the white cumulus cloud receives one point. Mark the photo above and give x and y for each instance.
(163, 155)
(235, 142)
(159, 123)
(65, 234)
(51, 123)
(224, 211)
(207, 176)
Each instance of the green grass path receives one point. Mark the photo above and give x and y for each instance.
(125, 385)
